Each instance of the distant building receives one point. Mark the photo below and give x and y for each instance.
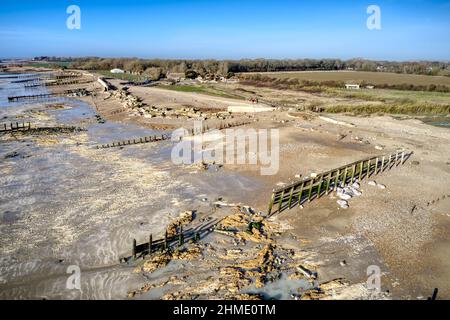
(117, 71)
(352, 86)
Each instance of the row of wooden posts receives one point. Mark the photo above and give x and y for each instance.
(147, 248)
(205, 129)
(44, 96)
(141, 140)
(42, 76)
(15, 126)
(306, 190)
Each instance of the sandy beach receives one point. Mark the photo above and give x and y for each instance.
(64, 203)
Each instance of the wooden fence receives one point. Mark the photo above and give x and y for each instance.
(47, 95)
(64, 83)
(28, 127)
(306, 190)
(130, 142)
(166, 243)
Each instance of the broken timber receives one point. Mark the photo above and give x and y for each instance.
(306, 190)
(47, 95)
(27, 127)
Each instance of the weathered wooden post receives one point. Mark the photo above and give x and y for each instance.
(310, 190)
(368, 169)
(336, 181)
(290, 197)
(181, 240)
(353, 173)
(403, 157)
(319, 187)
(328, 184)
(29, 125)
(382, 164)
(133, 250)
(376, 165)
(361, 169)
(344, 180)
(150, 245)
(281, 201)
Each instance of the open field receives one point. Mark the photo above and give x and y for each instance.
(360, 76)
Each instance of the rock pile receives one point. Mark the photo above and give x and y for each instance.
(347, 193)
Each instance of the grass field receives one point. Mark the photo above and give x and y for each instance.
(359, 76)
(48, 65)
(204, 90)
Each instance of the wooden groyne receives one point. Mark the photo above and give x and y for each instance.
(65, 83)
(141, 140)
(163, 137)
(306, 190)
(167, 243)
(28, 127)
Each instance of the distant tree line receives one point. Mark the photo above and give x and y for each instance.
(227, 68)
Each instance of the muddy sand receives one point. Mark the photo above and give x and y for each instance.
(66, 203)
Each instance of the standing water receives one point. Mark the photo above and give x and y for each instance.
(65, 204)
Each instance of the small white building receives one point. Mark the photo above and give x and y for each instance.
(117, 71)
(352, 86)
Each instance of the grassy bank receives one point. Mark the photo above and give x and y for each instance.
(409, 109)
(203, 90)
(122, 76)
(392, 96)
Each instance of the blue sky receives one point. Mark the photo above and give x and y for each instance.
(227, 29)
